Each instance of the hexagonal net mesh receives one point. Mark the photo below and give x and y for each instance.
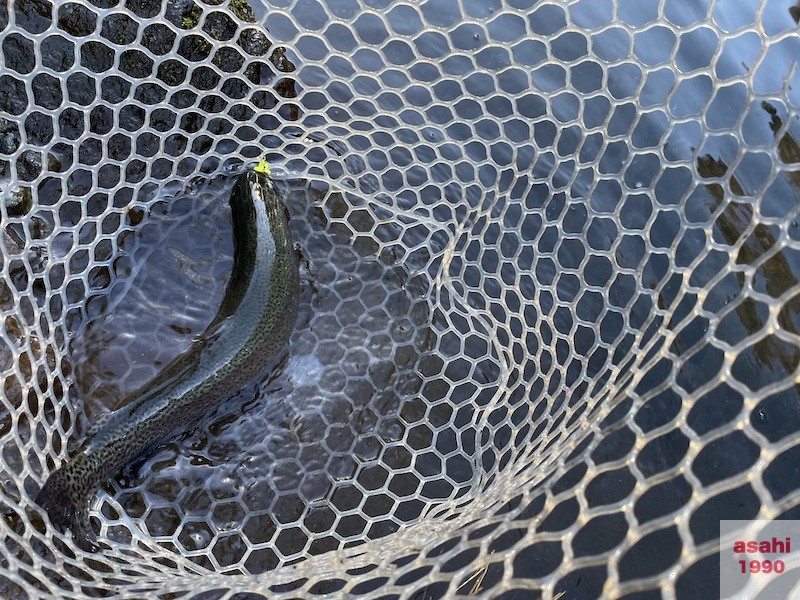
(548, 333)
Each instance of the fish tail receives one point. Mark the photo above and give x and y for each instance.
(67, 507)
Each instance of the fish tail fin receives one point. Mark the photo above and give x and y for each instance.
(67, 510)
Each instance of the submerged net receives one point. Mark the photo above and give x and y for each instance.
(548, 333)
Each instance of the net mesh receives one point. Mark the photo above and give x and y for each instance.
(548, 333)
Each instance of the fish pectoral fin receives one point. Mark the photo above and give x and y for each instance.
(131, 470)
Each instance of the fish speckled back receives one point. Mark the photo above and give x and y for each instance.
(254, 321)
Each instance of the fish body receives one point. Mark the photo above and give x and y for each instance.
(253, 323)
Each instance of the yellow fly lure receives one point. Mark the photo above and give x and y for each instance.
(262, 168)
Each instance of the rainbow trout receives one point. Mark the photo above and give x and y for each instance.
(254, 322)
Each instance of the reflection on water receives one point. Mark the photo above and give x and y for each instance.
(164, 290)
(738, 224)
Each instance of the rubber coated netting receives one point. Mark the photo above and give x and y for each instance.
(548, 333)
